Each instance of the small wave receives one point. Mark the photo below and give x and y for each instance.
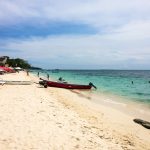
(113, 102)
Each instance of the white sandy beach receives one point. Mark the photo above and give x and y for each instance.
(32, 117)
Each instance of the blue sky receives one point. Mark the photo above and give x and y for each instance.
(81, 34)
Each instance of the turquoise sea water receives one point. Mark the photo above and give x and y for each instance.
(117, 82)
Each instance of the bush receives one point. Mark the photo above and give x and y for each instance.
(18, 63)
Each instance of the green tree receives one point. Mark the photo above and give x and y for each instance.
(17, 62)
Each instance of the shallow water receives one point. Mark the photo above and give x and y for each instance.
(117, 82)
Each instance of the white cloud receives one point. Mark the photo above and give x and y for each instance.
(126, 25)
(116, 49)
(97, 13)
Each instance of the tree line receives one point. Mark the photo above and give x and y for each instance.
(18, 62)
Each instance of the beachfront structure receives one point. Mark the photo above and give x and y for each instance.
(3, 60)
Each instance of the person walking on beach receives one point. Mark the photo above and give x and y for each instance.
(27, 72)
(47, 76)
(38, 74)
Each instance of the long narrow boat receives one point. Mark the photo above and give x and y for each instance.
(16, 82)
(46, 83)
(2, 82)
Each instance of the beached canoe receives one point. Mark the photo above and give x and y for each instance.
(17, 82)
(2, 82)
(46, 83)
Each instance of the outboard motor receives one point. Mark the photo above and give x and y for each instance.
(91, 84)
(45, 85)
(43, 82)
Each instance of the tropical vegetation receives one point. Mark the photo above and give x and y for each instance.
(18, 62)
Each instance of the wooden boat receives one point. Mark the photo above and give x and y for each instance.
(17, 82)
(2, 82)
(65, 85)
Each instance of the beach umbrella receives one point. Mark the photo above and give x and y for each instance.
(2, 70)
(18, 68)
(6, 69)
(1, 67)
(12, 69)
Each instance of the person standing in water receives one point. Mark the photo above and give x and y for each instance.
(47, 76)
(27, 72)
(38, 74)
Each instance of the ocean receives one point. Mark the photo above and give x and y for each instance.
(133, 85)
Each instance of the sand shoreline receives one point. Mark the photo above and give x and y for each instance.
(32, 117)
(126, 105)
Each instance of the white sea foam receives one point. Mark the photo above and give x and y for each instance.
(113, 102)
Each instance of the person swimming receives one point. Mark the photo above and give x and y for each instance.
(60, 79)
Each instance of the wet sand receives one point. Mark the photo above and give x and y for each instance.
(32, 117)
(127, 106)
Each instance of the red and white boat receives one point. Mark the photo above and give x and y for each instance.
(65, 85)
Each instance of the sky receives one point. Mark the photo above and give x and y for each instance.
(77, 34)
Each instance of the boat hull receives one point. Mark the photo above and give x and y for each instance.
(65, 85)
(18, 82)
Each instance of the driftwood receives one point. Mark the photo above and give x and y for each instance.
(145, 124)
